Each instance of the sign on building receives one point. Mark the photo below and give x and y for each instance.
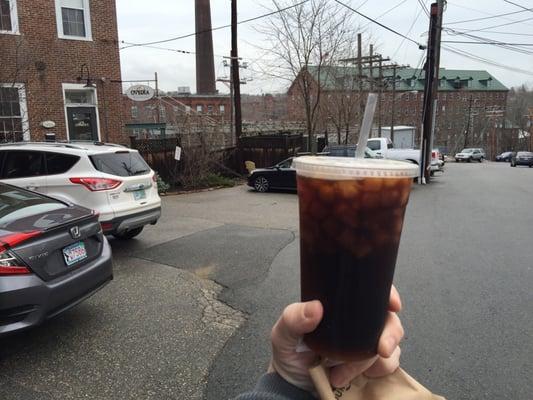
(140, 92)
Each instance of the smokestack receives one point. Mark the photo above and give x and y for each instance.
(205, 66)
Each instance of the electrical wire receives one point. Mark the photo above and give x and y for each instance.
(426, 11)
(484, 18)
(481, 11)
(380, 24)
(509, 33)
(497, 26)
(484, 39)
(518, 5)
(385, 13)
(498, 43)
(486, 61)
(214, 29)
(408, 32)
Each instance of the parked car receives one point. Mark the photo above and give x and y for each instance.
(279, 176)
(522, 158)
(111, 179)
(470, 155)
(384, 147)
(505, 156)
(53, 255)
(283, 174)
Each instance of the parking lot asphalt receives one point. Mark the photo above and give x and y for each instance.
(189, 312)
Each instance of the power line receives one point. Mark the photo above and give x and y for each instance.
(408, 32)
(483, 39)
(486, 61)
(214, 29)
(380, 24)
(510, 33)
(497, 26)
(421, 2)
(480, 11)
(386, 12)
(497, 43)
(518, 5)
(483, 18)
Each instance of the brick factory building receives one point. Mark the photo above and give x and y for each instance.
(171, 109)
(471, 103)
(59, 59)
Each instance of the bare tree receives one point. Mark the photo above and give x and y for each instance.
(305, 41)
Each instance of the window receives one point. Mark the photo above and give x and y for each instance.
(23, 164)
(58, 163)
(120, 163)
(8, 16)
(199, 108)
(222, 108)
(210, 109)
(13, 116)
(162, 113)
(134, 112)
(73, 19)
(80, 96)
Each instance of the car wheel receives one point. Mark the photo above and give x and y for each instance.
(261, 184)
(513, 164)
(129, 234)
(470, 159)
(457, 160)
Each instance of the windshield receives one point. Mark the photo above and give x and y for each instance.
(467, 150)
(524, 154)
(121, 163)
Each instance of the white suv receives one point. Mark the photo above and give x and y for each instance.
(113, 180)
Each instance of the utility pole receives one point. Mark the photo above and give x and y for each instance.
(468, 122)
(235, 76)
(360, 76)
(380, 93)
(393, 108)
(431, 87)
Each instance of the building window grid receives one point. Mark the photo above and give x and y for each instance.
(73, 19)
(11, 114)
(134, 112)
(222, 108)
(73, 22)
(8, 16)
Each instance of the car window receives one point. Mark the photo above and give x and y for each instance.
(23, 164)
(16, 204)
(373, 145)
(121, 163)
(58, 163)
(285, 164)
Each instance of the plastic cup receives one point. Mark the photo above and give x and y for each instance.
(351, 218)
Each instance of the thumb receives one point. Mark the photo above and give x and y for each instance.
(297, 319)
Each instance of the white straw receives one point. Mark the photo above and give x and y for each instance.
(366, 125)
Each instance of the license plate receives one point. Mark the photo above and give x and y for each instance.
(139, 194)
(74, 253)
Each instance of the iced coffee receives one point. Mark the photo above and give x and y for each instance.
(351, 217)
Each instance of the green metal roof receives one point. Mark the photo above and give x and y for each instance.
(335, 77)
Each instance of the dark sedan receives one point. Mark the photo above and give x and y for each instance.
(280, 176)
(283, 175)
(53, 255)
(522, 158)
(505, 156)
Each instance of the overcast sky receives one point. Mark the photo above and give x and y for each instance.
(142, 21)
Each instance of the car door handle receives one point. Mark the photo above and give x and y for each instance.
(32, 187)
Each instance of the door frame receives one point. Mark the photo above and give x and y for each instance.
(80, 86)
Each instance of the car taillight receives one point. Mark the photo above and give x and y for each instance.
(106, 226)
(9, 264)
(154, 178)
(433, 154)
(97, 184)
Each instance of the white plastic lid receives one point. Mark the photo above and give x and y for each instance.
(342, 168)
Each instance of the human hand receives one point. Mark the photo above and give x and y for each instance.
(300, 318)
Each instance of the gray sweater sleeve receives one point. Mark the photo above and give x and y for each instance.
(274, 387)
